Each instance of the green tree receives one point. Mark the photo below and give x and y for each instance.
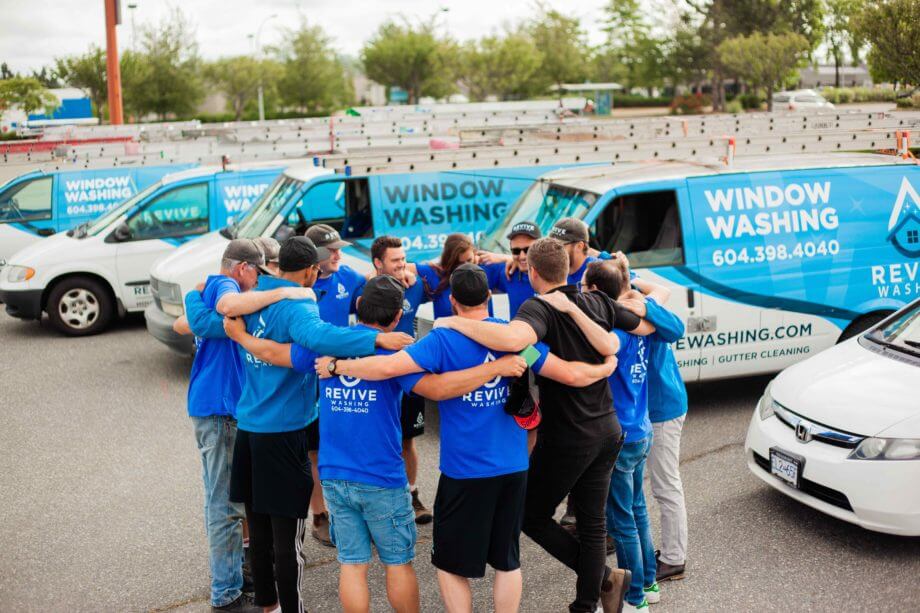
(412, 57)
(562, 42)
(840, 32)
(764, 60)
(892, 28)
(312, 76)
(507, 66)
(135, 71)
(86, 72)
(238, 78)
(634, 55)
(28, 95)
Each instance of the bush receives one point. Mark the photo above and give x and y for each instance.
(633, 101)
(751, 101)
(734, 106)
(843, 95)
(909, 102)
(690, 104)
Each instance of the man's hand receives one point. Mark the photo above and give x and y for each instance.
(511, 267)
(322, 367)
(634, 301)
(511, 365)
(394, 341)
(487, 257)
(200, 287)
(235, 327)
(558, 301)
(410, 279)
(611, 363)
(298, 293)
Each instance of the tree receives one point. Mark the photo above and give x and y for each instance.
(86, 72)
(28, 95)
(412, 57)
(892, 28)
(763, 59)
(507, 66)
(238, 78)
(633, 54)
(312, 76)
(840, 34)
(562, 42)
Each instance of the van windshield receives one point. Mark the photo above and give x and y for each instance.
(901, 332)
(544, 204)
(106, 220)
(269, 206)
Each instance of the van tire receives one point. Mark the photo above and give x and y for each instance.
(863, 323)
(80, 306)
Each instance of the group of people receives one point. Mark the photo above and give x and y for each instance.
(296, 411)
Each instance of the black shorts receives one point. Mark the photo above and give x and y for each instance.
(478, 521)
(313, 435)
(271, 472)
(412, 416)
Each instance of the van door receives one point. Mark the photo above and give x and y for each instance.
(649, 226)
(26, 214)
(172, 216)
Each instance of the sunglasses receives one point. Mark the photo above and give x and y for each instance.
(519, 250)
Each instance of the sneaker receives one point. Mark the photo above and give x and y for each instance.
(611, 545)
(320, 530)
(243, 604)
(248, 586)
(652, 593)
(612, 598)
(668, 572)
(422, 515)
(642, 606)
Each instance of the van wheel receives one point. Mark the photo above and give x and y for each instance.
(80, 306)
(863, 323)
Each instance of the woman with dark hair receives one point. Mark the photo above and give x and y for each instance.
(458, 249)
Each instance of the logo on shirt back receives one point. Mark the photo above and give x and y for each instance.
(491, 393)
(496, 380)
(349, 381)
(349, 398)
(259, 332)
(407, 306)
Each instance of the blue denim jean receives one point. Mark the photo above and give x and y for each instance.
(223, 519)
(627, 518)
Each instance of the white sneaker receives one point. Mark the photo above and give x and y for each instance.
(652, 593)
(641, 607)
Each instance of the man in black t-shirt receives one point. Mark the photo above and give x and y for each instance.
(579, 437)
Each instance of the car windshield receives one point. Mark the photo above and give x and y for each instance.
(106, 220)
(901, 332)
(267, 207)
(543, 203)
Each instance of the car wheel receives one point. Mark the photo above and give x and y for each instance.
(861, 324)
(80, 306)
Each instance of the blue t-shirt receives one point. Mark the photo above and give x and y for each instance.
(359, 424)
(667, 394)
(517, 287)
(629, 387)
(478, 439)
(430, 279)
(217, 372)
(337, 295)
(575, 277)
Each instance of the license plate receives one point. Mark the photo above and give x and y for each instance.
(786, 466)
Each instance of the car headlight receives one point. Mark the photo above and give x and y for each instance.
(874, 448)
(17, 274)
(766, 407)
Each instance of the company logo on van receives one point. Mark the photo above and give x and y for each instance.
(904, 223)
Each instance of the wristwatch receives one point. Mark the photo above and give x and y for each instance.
(331, 366)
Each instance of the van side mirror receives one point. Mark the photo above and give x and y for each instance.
(122, 233)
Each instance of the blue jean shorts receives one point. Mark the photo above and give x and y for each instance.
(361, 514)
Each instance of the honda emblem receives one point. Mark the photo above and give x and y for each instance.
(803, 432)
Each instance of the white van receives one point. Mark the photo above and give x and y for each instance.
(84, 277)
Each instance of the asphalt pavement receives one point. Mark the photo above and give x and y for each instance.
(102, 503)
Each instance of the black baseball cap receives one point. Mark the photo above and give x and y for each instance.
(244, 250)
(525, 228)
(469, 285)
(384, 291)
(570, 230)
(298, 253)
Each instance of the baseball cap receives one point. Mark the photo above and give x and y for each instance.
(570, 230)
(270, 249)
(526, 228)
(523, 403)
(383, 291)
(469, 285)
(298, 253)
(244, 250)
(326, 236)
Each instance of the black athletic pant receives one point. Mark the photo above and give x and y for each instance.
(583, 471)
(273, 538)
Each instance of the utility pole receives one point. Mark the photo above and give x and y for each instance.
(113, 72)
(259, 57)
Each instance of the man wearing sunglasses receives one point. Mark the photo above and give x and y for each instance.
(509, 274)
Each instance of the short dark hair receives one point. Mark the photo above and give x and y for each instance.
(376, 315)
(606, 276)
(548, 257)
(381, 244)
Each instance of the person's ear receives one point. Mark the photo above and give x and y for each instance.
(396, 319)
(358, 302)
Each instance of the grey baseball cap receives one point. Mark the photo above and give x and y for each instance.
(270, 249)
(244, 250)
(570, 230)
(326, 236)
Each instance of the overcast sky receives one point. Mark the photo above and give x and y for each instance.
(32, 34)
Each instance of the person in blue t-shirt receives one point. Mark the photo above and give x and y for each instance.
(484, 460)
(511, 271)
(574, 235)
(368, 492)
(270, 472)
(214, 389)
(337, 289)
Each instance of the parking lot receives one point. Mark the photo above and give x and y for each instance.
(102, 497)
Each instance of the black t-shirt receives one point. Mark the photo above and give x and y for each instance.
(575, 415)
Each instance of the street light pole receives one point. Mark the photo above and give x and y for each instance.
(259, 57)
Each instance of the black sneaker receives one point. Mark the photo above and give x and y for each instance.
(568, 518)
(667, 572)
(248, 586)
(243, 604)
(422, 515)
(320, 530)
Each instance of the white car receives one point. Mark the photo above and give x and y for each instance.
(840, 431)
(799, 99)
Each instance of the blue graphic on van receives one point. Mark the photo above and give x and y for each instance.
(904, 224)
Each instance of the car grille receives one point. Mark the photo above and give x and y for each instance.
(819, 432)
(813, 489)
